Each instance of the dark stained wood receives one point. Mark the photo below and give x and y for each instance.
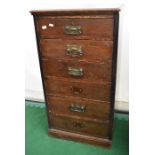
(91, 71)
(96, 51)
(91, 90)
(81, 126)
(41, 70)
(95, 88)
(71, 12)
(80, 138)
(93, 109)
(114, 69)
(88, 28)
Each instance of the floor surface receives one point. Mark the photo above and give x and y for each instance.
(39, 143)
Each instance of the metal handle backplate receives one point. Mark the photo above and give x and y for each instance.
(77, 108)
(73, 30)
(76, 90)
(74, 50)
(77, 72)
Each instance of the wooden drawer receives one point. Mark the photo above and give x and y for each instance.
(78, 88)
(79, 107)
(77, 49)
(99, 129)
(78, 69)
(76, 28)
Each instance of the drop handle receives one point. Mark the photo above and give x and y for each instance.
(74, 50)
(73, 30)
(77, 108)
(76, 72)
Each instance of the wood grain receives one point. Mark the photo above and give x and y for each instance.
(91, 71)
(104, 29)
(95, 51)
(73, 12)
(93, 109)
(90, 90)
(81, 126)
(95, 88)
(103, 142)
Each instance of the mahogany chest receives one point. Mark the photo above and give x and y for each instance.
(77, 53)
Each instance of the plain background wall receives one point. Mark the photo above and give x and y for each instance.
(33, 85)
(15, 32)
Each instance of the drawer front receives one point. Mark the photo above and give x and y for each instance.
(81, 126)
(77, 49)
(79, 107)
(101, 29)
(78, 69)
(76, 88)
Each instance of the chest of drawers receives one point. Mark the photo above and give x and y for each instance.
(77, 53)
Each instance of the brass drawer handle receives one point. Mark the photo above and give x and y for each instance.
(76, 90)
(74, 50)
(75, 71)
(77, 125)
(77, 108)
(73, 30)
